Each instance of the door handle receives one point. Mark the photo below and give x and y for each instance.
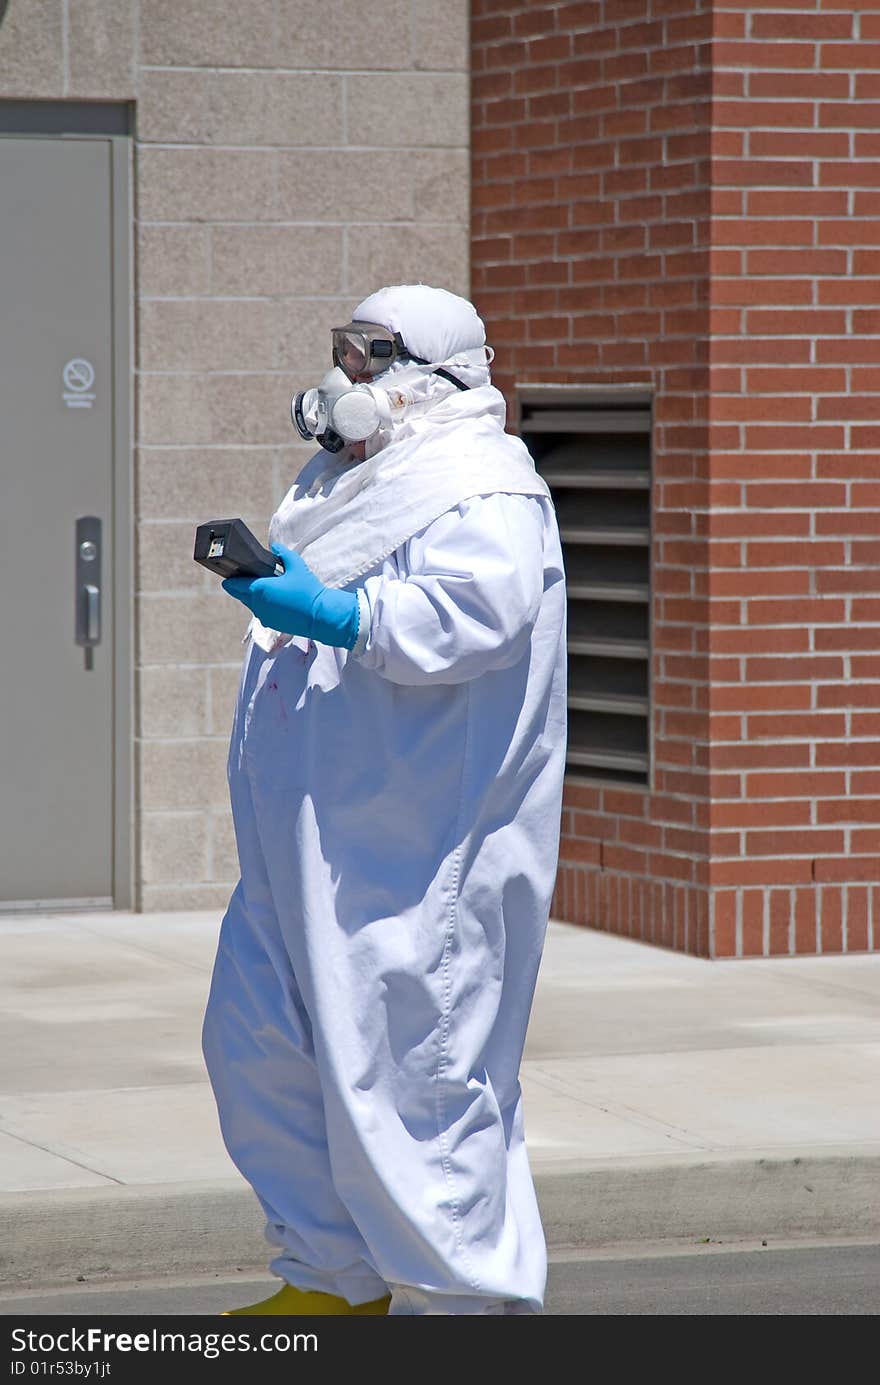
(93, 613)
(88, 585)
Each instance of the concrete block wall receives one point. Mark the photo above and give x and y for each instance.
(290, 157)
(591, 214)
(795, 347)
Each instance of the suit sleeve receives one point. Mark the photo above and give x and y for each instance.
(465, 598)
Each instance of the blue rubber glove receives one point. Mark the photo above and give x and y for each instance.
(297, 603)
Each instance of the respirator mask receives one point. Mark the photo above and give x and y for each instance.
(339, 413)
(346, 407)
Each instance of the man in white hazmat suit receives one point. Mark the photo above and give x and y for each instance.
(396, 776)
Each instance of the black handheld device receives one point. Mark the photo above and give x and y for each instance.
(227, 547)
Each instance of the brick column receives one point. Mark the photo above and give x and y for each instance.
(590, 264)
(686, 196)
(795, 405)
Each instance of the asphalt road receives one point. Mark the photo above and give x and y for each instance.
(714, 1280)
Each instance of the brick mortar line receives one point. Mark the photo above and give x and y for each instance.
(191, 146)
(136, 37)
(378, 73)
(220, 446)
(201, 738)
(279, 225)
(304, 298)
(65, 47)
(611, 27)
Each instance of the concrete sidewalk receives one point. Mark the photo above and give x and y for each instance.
(667, 1098)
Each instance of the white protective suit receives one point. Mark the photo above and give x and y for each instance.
(397, 816)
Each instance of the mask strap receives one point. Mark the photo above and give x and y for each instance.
(459, 384)
(438, 370)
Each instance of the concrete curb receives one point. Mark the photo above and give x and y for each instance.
(131, 1232)
(811, 1195)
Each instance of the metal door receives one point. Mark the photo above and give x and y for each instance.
(57, 523)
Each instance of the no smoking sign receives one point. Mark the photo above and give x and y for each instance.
(78, 376)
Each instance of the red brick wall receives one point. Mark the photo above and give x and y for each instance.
(688, 198)
(795, 429)
(590, 265)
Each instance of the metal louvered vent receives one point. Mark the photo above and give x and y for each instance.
(594, 451)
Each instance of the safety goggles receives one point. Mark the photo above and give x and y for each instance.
(366, 348)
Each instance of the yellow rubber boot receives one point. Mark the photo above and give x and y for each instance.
(291, 1302)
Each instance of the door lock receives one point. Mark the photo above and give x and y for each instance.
(88, 586)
